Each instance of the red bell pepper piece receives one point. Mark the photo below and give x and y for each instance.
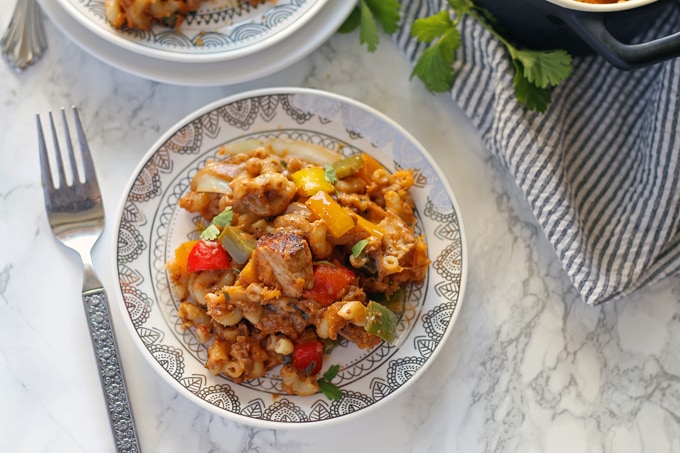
(329, 281)
(308, 356)
(207, 256)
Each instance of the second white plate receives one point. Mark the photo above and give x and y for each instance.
(248, 68)
(217, 31)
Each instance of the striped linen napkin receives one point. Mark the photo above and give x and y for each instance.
(600, 169)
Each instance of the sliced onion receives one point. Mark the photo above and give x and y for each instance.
(205, 182)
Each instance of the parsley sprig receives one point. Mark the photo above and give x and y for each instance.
(536, 71)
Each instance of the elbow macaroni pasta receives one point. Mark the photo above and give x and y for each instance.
(252, 315)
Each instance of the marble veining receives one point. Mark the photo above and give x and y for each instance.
(529, 367)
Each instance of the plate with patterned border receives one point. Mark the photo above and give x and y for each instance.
(219, 30)
(150, 225)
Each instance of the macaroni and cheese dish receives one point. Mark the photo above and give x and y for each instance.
(142, 14)
(300, 247)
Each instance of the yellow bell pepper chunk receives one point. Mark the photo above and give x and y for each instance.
(182, 254)
(310, 180)
(370, 166)
(324, 207)
(370, 227)
(248, 274)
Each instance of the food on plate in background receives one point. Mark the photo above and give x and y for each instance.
(602, 1)
(142, 14)
(299, 247)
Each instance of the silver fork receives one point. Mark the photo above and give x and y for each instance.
(76, 215)
(24, 42)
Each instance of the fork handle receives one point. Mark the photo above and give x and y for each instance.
(110, 370)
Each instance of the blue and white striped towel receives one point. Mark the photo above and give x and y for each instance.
(600, 169)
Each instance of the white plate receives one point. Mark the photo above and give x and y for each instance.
(216, 32)
(249, 68)
(150, 225)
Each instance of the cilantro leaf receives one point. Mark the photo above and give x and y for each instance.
(367, 15)
(368, 28)
(352, 22)
(544, 68)
(329, 174)
(211, 233)
(359, 247)
(386, 12)
(224, 218)
(430, 28)
(331, 391)
(435, 65)
(218, 223)
(531, 96)
(331, 372)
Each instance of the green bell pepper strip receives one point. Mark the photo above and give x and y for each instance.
(238, 244)
(380, 321)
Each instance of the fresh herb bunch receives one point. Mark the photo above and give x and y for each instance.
(536, 71)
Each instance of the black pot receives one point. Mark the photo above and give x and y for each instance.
(580, 28)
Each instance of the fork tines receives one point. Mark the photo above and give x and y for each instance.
(88, 175)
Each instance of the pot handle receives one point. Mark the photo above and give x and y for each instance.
(592, 29)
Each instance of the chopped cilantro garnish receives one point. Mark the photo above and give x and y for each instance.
(224, 218)
(329, 174)
(359, 247)
(331, 391)
(211, 233)
(221, 220)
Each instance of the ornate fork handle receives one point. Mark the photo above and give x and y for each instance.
(110, 371)
(24, 40)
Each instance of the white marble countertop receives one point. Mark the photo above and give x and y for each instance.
(529, 367)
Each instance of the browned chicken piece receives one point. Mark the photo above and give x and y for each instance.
(284, 260)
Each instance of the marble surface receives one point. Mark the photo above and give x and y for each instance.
(528, 368)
